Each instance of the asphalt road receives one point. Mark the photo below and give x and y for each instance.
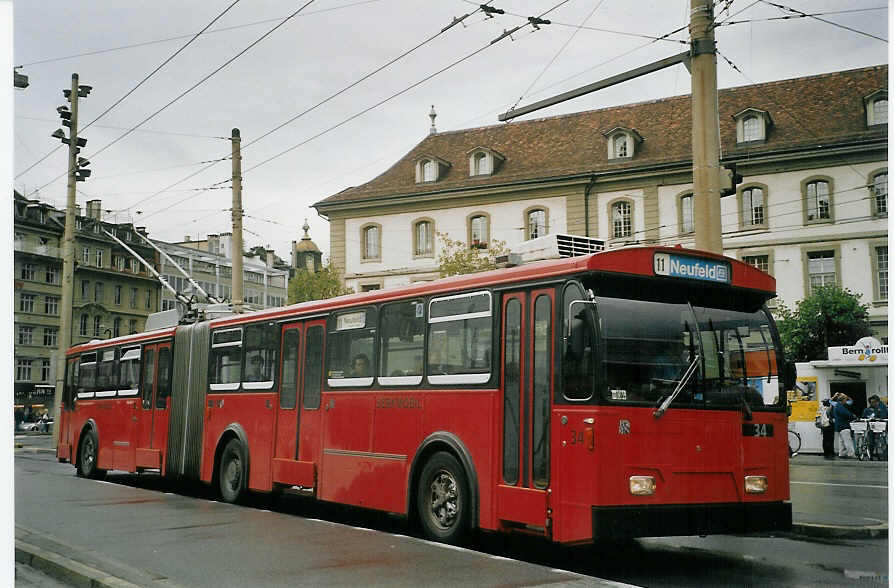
(144, 529)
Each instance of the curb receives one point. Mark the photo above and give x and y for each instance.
(840, 532)
(65, 569)
(36, 449)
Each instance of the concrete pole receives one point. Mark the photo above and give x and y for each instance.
(705, 132)
(236, 247)
(68, 262)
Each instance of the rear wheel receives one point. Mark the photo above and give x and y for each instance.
(443, 499)
(88, 454)
(233, 472)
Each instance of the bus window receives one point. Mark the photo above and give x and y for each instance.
(350, 349)
(313, 367)
(578, 357)
(511, 390)
(226, 359)
(290, 355)
(459, 339)
(86, 383)
(261, 348)
(106, 380)
(129, 372)
(71, 378)
(164, 378)
(148, 378)
(401, 343)
(542, 375)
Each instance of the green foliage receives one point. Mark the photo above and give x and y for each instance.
(829, 317)
(325, 283)
(456, 257)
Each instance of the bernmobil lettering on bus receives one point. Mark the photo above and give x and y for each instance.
(679, 266)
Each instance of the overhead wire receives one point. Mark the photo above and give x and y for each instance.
(134, 89)
(794, 16)
(194, 86)
(178, 37)
(318, 104)
(557, 53)
(151, 131)
(835, 24)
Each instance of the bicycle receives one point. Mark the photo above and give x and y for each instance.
(879, 431)
(860, 428)
(794, 443)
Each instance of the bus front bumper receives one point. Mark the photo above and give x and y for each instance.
(621, 522)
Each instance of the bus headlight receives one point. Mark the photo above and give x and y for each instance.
(755, 484)
(642, 485)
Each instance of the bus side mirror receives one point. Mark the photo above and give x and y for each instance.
(789, 375)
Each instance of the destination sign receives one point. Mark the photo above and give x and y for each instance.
(681, 266)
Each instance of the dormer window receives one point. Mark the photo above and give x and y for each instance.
(483, 161)
(752, 125)
(430, 169)
(876, 108)
(622, 142)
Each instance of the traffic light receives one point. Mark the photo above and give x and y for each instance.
(729, 180)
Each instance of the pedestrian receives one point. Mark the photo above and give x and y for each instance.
(842, 418)
(825, 425)
(876, 409)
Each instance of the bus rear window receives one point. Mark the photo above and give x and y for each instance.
(459, 339)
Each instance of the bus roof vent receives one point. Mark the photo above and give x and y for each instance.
(162, 320)
(556, 246)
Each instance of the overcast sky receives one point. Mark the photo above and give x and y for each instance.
(325, 48)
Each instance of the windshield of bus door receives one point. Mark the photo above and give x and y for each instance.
(697, 357)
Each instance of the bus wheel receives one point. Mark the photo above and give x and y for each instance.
(88, 455)
(232, 472)
(442, 499)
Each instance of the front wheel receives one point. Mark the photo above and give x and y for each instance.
(443, 499)
(233, 472)
(88, 454)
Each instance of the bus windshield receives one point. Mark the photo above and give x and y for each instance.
(646, 348)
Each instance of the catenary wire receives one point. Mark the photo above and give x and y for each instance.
(134, 89)
(835, 24)
(193, 87)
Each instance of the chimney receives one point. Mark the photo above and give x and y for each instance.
(94, 209)
(187, 239)
(213, 243)
(269, 259)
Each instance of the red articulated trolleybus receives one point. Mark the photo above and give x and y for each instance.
(627, 393)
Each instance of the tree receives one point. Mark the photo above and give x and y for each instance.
(325, 283)
(829, 317)
(456, 257)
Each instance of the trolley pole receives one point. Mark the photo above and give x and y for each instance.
(236, 247)
(68, 257)
(705, 133)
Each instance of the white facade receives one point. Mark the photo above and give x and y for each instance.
(397, 264)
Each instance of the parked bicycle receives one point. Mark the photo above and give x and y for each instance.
(794, 442)
(860, 428)
(878, 429)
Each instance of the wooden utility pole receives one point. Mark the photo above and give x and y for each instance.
(236, 242)
(705, 133)
(68, 259)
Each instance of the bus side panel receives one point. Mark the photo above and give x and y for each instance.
(397, 430)
(122, 430)
(469, 415)
(254, 412)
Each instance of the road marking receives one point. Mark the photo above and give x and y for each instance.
(845, 485)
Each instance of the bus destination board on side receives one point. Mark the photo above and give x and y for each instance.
(682, 266)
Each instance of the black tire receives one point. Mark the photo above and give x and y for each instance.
(443, 499)
(88, 456)
(233, 472)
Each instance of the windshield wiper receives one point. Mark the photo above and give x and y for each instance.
(693, 366)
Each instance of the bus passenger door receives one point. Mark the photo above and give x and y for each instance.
(162, 411)
(145, 457)
(66, 413)
(286, 467)
(522, 497)
(310, 423)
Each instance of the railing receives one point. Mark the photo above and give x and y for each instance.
(46, 250)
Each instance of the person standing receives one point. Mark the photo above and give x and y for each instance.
(824, 422)
(842, 418)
